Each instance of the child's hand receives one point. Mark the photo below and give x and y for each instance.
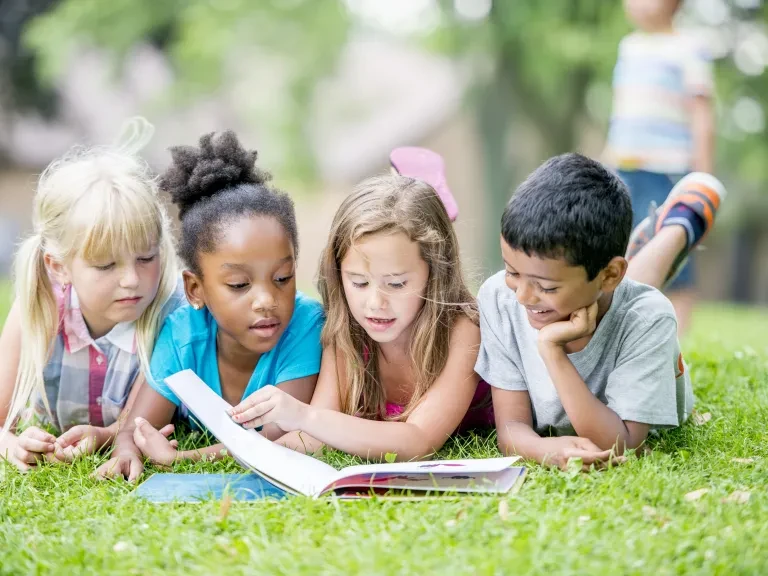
(81, 440)
(32, 446)
(581, 323)
(154, 443)
(270, 404)
(562, 449)
(126, 463)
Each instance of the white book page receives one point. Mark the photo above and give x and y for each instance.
(473, 467)
(298, 472)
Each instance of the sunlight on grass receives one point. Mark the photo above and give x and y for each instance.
(633, 519)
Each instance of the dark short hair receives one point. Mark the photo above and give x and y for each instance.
(215, 184)
(570, 207)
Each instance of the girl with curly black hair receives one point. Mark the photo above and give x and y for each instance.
(246, 326)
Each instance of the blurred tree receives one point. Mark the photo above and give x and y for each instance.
(548, 68)
(20, 87)
(202, 39)
(542, 59)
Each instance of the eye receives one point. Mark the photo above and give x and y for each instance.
(105, 267)
(359, 284)
(283, 279)
(397, 285)
(512, 274)
(548, 290)
(147, 259)
(237, 287)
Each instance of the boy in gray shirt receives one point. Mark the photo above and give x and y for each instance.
(580, 349)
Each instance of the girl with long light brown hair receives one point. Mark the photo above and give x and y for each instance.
(401, 335)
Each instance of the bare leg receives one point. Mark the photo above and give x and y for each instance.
(652, 264)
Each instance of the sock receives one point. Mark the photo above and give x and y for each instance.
(682, 215)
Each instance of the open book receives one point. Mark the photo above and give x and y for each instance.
(298, 473)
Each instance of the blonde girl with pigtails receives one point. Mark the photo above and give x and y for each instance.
(93, 283)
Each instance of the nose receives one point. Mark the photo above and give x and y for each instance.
(376, 299)
(130, 277)
(263, 300)
(525, 293)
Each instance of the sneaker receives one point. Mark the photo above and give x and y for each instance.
(427, 166)
(702, 193)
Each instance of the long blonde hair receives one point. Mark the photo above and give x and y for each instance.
(93, 203)
(389, 204)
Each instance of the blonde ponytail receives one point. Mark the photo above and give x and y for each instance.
(39, 324)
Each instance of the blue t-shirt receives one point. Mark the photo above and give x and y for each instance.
(188, 340)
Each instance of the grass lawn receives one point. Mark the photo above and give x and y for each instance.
(634, 519)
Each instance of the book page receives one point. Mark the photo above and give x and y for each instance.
(296, 472)
(476, 468)
(483, 483)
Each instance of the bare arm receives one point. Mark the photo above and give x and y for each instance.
(426, 429)
(589, 416)
(514, 426)
(10, 352)
(703, 132)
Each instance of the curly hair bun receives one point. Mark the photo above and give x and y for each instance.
(220, 163)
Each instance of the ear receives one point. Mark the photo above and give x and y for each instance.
(193, 288)
(57, 270)
(613, 273)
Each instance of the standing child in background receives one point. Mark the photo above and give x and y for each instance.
(245, 326)
(401, 338)
(93, 284)
(662, 124)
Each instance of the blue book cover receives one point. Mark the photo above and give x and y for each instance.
(199, 487)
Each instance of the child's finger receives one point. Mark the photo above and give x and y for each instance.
(257, 412)
(31, 444)
(72, 435)
(135, 467)
(38, 434)
(174, 444)
(139, 439)
(254, 399)
(167, 430)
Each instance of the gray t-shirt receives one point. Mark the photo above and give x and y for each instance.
(632, 363)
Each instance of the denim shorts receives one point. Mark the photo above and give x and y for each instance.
(645, 187)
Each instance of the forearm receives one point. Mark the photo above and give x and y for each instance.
(368, 438)
(300, 442)
(215, 452)
(589, 416)
(518, 438)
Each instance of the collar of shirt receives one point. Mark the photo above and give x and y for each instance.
(123, 335)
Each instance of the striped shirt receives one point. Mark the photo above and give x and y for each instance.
(655, 78)
(88, 381)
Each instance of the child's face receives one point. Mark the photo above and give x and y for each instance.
(248, 283)
(384, 280)
(650, 14)
(114, 290)
(549, 289)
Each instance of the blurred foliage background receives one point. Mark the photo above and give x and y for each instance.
(533, 79)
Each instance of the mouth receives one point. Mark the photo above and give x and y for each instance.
(379, 324)
(266, 327)
(129, 301)
(538, 315)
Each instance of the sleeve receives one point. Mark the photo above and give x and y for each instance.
(301, 352)
(165, 362)
(494, 363)
(698, 73)
(643, 385)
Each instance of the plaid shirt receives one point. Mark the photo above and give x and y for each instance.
(88, 381)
